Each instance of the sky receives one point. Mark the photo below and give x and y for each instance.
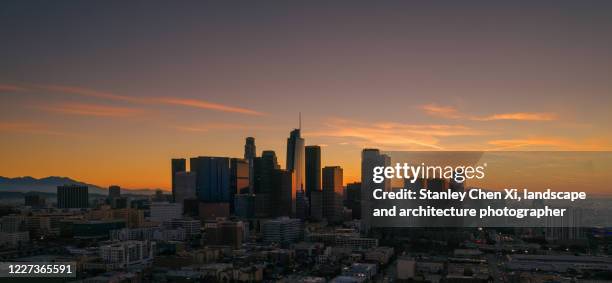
(107, 92)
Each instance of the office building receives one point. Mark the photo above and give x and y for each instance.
(316, 205)
(282, 230)
(353, 199)
(165, 211)
(128, 253)
(178, 165)
(225, 232)
(282, 190)
(264, 167)
(72, 196)
(295, 164)
(313, 169)
(212, 178)
(250, 152)
(184, 186)
(239, 179)
(34, 200)
(371, 158)
(332, 193)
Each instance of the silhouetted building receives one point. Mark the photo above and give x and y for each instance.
(225, 232)
(250, 152)
(212, 178)
(282, 186)
(353, 199)
(332, 193)
(178, 165)
(72, 196)
(34, 200)
(239, 179)
(264, 167)
(244, 205)
(184, 186)
(313, 169)
(295, 164)
(371, 158)
(316, 205)
(114, 192)
(282, 230)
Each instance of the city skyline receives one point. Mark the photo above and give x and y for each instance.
(422, 77)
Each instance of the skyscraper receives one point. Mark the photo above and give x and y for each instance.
(313, 169)
(250, 153)
(353, 199)
(295, 163)
(370, 158)
(332, 193)
(185, 186)
(263, 169)
(212, 178)
(72, 196)
(282, 193)
(239, 179)
(178, 165)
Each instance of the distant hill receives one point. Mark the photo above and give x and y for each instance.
(49, 185)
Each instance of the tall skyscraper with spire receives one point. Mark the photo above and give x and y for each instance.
(295, 162)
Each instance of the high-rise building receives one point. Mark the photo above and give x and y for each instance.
(250, 152)
(264, 167)
(178, 165)
(353, 199)
(332, 193)
(282, 190)
(165, 211)
(371, 158)
(295, 163)
(224, 232)
(313, 169)
(184, 186)
(72, 196)
(282, 230)
(239, 179)
(34, 200)
(316, 205)
(244, 205)
(212, 178)
(114, 192)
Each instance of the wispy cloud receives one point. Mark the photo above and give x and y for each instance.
(196, 103)
(92, 110)
(214, 126)
(11, 88)
(392, 135)
(519, 116)
(450, 112)
(548, 143)
(441, 111)
(28, 128)
(188, 102)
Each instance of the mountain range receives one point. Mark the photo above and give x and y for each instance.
(49, 185)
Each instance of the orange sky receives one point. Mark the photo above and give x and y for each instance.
(111, 102)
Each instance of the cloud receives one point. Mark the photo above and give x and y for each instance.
(441, 111)
(392, 135)
(450, 112)
(214, 126)
(28, 128)
(549, 143)
(520, 116)
(188, 102)
(11, 88)
(196, 103)
(92, 110)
